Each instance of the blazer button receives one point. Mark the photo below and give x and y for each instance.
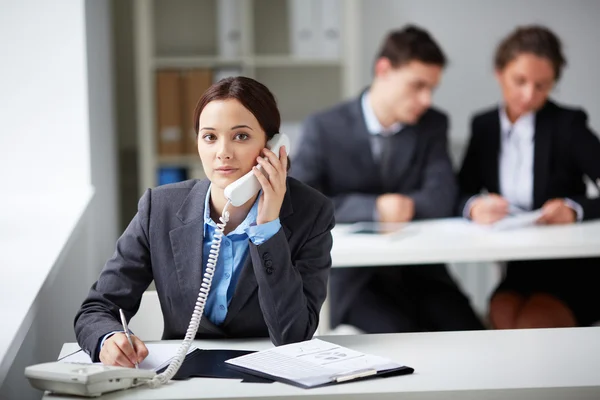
(269, 270)
(268, 263)
(267, 256)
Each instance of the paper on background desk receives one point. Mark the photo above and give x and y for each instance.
(381, 230)
(312, 362)
(159, 355)
(520, 220)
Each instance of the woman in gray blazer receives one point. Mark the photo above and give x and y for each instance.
(271, 274)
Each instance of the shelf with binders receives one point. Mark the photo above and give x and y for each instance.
(181, 28)
(297, 54)
(186, 45)
(297, 32)
(177, 93)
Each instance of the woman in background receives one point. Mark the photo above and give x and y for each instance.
(532, 153)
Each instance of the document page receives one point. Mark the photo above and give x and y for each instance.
(518, 220)
(159, 356)
(312, 362)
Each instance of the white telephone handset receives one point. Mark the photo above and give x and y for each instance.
(93, 380)
(242, 190)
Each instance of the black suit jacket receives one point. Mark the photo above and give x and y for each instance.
(280, 290)
(334, 156)
(565, 149)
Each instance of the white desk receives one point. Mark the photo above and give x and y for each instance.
(457, 240)
(526, 364)
(454, 240)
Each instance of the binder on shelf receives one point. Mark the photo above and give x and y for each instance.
(329, 31)
(168, 104)
(303, 28)
(171, 175)
(194, 84)
(229, 28)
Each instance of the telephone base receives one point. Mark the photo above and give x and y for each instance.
(81, 389)
(85, 380)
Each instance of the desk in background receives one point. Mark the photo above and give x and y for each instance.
(457, 240)
(520, 364)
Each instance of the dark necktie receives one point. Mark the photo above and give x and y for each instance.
(385, 158)
(388, 151)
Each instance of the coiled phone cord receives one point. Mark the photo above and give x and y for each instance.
(190, 335)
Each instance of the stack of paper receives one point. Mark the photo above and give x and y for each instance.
(316, 362)
(159, 356)
(521, 220)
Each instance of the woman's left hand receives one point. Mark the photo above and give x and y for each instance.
(274, 187)
(556, 211)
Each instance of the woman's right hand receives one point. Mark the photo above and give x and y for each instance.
(489, 209)
(117, 351)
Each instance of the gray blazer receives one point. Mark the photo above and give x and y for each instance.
(280, 290)
(334, 156)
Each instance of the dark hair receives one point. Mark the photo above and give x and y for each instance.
(411, 43)
(253, 95)
(534, 39)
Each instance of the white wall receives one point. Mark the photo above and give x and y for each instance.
(102, 127)
(468, 32)
(43, 106)
(57, 57)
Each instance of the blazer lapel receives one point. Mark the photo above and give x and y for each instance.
(186, 243)
(247, 283)
(541, 154)
(492, 148)
(246, 286)
(361, 139)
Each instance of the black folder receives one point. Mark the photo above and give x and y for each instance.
(211, 364)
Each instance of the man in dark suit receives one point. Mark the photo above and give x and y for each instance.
(383, 157)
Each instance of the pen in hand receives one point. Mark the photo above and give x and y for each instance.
(126, 328)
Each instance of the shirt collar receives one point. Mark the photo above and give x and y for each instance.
(525, 124)
(373, 125)
(241, 228)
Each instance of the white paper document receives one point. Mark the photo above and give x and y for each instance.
(313, 362)
(376, 228)
(520, 220)
(159, 356)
